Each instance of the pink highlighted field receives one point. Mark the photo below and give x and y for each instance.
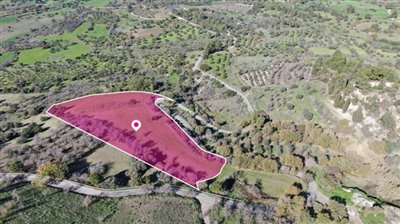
(159, 142)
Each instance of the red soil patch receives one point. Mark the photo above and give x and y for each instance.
(160, 142)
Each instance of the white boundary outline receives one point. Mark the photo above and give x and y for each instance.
(161, 97)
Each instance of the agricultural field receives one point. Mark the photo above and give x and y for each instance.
(39, 54)
(65, 46)
(28, 203)
(156, 209)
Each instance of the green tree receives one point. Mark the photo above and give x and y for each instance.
(350, 9)
(338, 211)
(224, 150)
(337, 60)
(16, 166)
(205, 67)
(53, 170)
(31, 130)
(95, 178)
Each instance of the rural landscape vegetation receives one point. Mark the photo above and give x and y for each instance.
(301, 96)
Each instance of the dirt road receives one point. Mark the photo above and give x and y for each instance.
(196, 67)
(207, 200)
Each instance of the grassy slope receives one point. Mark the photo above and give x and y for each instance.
(115, 160)
(273, 184)
(6, 56)
(39, 54)
(4, 41)
(361, 8)
(156, 209)
(8, 19)
(96, 3)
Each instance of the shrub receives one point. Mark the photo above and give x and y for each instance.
(287, 135)
(53, 170)
(224, 150)
(308, 115)
(339, 101)
(290, 106)
(358, 115)
(44, 118)
(379, 147)
(94, 178)
(205, 67)
(290, 160)
(328, 141)
(16, 166)
(270, 165)
(338, 60)
(22, 140)
(230, 93)
(31, 130)
(346, 105)
(388, 121)
(11, 134)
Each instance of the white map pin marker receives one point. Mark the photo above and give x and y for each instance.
(136, 125)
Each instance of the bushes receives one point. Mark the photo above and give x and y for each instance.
(358, 116)
(379, 147)
(287, 135)
(44, 118)
(16, 166)
(388, 121)
(328, 141)
(291, 161)
(308, 115)
(31, 130)
(229, 93)
(11, 134)
(53, 170)
(224, 150)
(95, 178)
(338, 60)
(205, 67)
(379, 73)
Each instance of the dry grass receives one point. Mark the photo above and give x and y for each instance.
(156, 209)
(115, 160)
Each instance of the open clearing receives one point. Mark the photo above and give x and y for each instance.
(116, 161)
(74, 46)
(159, 142)
(273, 184)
